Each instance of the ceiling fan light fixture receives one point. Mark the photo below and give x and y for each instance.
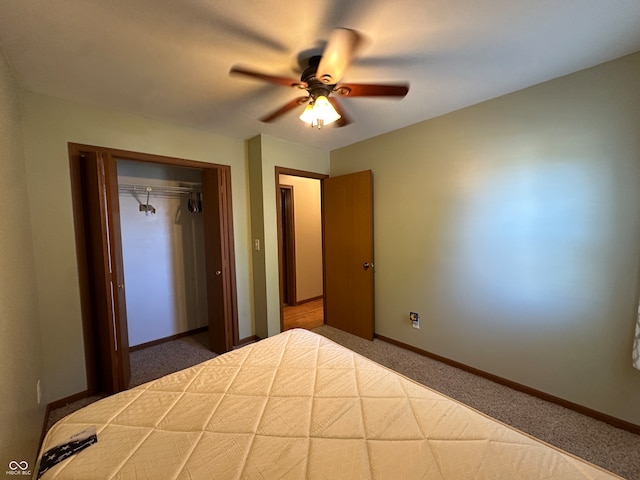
(319, 112)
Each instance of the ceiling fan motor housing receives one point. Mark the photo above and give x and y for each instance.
(315, 87)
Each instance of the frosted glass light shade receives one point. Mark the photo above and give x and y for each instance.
(319, 113)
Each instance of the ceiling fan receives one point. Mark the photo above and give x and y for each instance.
(321, 79)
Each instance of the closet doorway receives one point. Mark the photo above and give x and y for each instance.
(100, 260)
(299, 218)
(163, 251)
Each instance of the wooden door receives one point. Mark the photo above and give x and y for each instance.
(217, 258)
(106, 273)
(286, 238)
(348, 253)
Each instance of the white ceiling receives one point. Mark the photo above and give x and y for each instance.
(169, 59)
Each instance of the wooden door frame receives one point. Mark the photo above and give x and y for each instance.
(286, 242)
(304, 174)
(82, 244)
(111, 365)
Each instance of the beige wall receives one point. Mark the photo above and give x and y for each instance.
(21, 362)
(259, 278)
(265, 153)
(308, 235)
(513, 228)
(49, 124)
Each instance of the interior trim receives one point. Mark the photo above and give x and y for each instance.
(296, 173)
(603, 417)
(247, 341)
(170, 338)
(309, 300)
(75, 150)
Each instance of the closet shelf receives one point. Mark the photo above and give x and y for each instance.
(158, 189)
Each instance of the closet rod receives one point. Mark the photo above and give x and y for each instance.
(156, 189)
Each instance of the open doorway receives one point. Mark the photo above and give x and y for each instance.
(163, 251)
(96, 209)
(299, 216)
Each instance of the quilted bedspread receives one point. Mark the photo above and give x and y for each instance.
(298, 406)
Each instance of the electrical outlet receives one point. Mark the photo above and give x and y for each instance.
(415, 320)
(38, 392)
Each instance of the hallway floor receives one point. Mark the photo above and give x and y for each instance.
(307, 315)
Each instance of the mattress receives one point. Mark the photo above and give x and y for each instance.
(295, 406)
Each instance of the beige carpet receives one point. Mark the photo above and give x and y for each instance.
(152, 363)
(160, 360)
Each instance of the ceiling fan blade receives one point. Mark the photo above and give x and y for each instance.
(284, 81)
(371, 90)
(344, 118)
(284, 109)
(338, 54)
